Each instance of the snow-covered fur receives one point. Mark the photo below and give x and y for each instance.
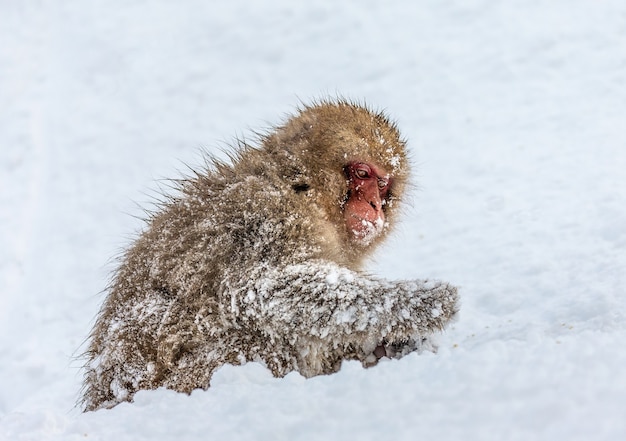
(251, 261)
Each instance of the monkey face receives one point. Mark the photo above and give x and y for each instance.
(351, 164)
(368, 188)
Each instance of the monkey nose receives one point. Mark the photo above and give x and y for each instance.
(371, 195)
(375, 201)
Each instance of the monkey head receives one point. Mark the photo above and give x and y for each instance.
(350, 162)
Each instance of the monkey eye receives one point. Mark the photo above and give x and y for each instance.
(362, 172)
(382, 184)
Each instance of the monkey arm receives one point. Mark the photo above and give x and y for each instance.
(321, 300)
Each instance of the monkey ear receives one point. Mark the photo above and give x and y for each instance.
(301, 187)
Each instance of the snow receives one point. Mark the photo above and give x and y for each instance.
(513, 113)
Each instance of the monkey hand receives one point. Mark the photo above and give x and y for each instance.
(322, 308)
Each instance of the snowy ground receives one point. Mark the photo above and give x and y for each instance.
(515, 114)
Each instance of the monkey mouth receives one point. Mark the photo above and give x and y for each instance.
(365, 230)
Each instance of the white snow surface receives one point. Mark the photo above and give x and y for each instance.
(514, 112)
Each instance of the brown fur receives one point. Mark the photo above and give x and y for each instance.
(252, 261)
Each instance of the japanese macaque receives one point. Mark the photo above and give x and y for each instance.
(260, 260)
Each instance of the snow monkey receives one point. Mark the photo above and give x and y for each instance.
(258, 259)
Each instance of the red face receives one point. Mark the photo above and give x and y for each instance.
(368, 188)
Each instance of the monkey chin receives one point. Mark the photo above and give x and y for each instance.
(365, 231)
